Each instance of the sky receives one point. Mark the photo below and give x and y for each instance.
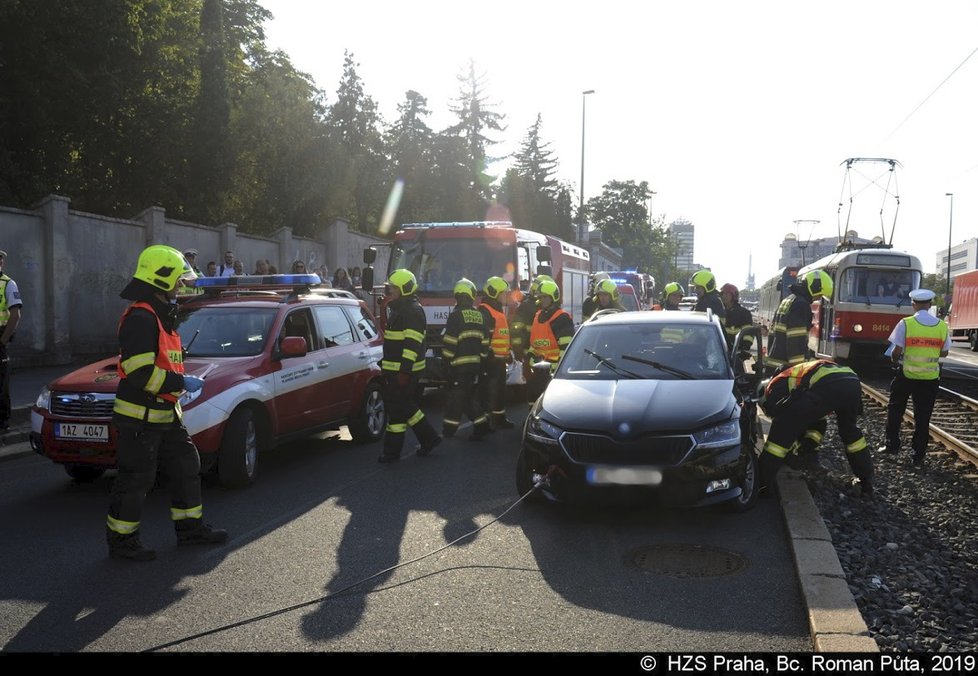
(739, 115)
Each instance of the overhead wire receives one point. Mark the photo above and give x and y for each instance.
(927, 98)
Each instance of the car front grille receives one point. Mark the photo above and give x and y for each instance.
(82, 405)
(648, 450)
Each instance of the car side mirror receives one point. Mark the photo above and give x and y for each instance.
(367, 276)
(369, 255)
(542, 367)
(293, 346)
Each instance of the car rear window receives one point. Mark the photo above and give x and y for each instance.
(225, 331)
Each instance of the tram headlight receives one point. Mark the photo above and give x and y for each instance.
(857, 328)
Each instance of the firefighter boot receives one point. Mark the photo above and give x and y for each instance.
(428, 437)
(393, 442)
(500, 422)
(127, 546)
(862, 467)
(196, 532)
(480, 428)
(768, 467)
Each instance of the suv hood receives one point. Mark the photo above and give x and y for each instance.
(630, 407)
(103, 376)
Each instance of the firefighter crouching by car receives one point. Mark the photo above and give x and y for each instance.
(550, 334)
(465, 349)
(147, 415)
(493, 380)
(402, 364)
(798, 399)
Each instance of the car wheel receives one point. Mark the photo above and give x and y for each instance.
(524, 479)
(748, 487)
(84, 474)
(238, 458)
(370, 424)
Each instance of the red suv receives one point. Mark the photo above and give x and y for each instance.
(277, 364)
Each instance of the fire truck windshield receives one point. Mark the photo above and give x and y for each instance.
(440, 262)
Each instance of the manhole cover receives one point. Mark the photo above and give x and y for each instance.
(686, 561)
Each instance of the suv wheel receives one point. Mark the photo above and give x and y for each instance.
(371, 422)
(238, 458)
(748, 487)
(84, 474)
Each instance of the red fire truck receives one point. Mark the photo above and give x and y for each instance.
(439, 254)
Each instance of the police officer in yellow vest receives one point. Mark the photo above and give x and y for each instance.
(493, 380)
(147, 414)
(10, 305)
(920, 340)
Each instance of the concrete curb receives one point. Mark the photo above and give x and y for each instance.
(834, 620)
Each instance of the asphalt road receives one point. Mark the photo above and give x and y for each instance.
(324, 519)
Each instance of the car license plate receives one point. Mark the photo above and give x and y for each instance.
(81, 432)
(624, 476)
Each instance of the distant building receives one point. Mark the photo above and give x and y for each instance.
(964, 258)
(796, 252)
(683, 232)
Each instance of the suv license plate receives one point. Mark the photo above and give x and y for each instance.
(81, 432)
(624, 476)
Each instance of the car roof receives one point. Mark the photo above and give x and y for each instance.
(671, 318)
(265, 300)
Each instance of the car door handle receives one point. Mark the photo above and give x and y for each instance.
(364, 355)
(322, 365)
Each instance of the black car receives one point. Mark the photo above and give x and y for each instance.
(645, 405)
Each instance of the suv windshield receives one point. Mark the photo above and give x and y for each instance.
(225, 331)
(648, 351)
(440, 262)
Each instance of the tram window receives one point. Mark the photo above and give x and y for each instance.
(888, 287)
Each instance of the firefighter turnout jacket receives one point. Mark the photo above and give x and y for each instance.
(404, 337)
(788, 342)
(466, 339)
(150, 365)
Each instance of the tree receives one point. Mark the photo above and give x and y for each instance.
(535, 198)
(355, 125)
(475, 118)
(410, 143)
(621, 214)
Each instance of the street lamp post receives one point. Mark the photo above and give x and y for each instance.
(580, 211)
(950, 221)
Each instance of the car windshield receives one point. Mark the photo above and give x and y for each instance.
(440, 262)
(629, 302)
(225, 331)
(645, 350)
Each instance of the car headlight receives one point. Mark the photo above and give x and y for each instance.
(543, 432)
(187, 397)
(724, 434)
(44, 399)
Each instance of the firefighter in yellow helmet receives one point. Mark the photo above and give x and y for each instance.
(672, 294)
(607, 296)
(592, 290)
(466, 348)
(788, 341)
(402, 364)
(147, 414)
(493, 379)
(708, 297)
(519, 332)
(550, 334)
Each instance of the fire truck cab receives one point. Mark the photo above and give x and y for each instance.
(439, 254)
